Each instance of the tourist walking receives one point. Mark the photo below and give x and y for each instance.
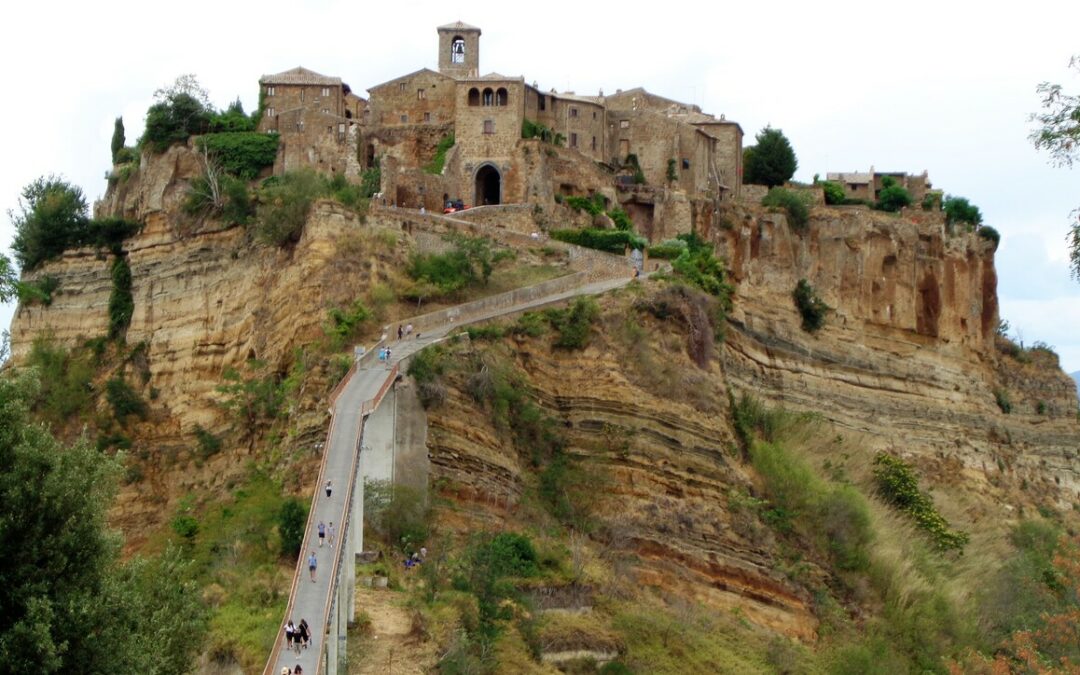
(388, 358)
(305, 632)
(400, 331)
(290, 634)
(312, 563)
(333, 531)
(322, 532)
(329, 488)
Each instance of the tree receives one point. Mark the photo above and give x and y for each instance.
(180, 111)
(1058, 132)
(69, 605)
(960, 210)
(52, 217)
(893, 196)
(771, 162)
(9, 281)
(117, 138)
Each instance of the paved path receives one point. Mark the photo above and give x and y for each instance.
(309, 600)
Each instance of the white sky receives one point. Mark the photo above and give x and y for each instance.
(945, 86)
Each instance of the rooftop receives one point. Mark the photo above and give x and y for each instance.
(300, 75)
(458, 25)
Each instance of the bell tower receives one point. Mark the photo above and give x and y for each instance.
(459, 50)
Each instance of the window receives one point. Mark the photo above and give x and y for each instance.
(269, 91)
(594, 143)
(457, 50)
(489, 97)
(420, 94)
(270, 112)
(624, 124)
(326, 92)
(401, 86)
(489, 126)
(427, 117)
(301, 94)
(573, 112)
(300, 125)
(501, 96)
(404, 118)
(341, 131)
(474, 96)
(594, 114)
(573, 140)
(543, 102)
(326, 111)
(685, 163)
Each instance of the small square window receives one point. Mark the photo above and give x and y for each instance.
(594, 114)
(300, 125)
(269, 91)
(420, 94)
(326, 92)
(326, 111)
(489, 126)
(427, 117)
(401, 86)
(624, 124)
(404, 118)
(269, 112)
(573, 112)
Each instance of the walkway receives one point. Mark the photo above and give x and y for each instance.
(362, 391)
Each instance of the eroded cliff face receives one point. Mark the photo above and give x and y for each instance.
(907, 356)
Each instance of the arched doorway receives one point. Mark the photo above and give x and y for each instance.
(488, 186)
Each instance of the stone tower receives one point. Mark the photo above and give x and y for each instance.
(459, 50)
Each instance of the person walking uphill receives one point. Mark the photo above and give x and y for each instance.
(322, 533)
(312, 563)
(329, 488)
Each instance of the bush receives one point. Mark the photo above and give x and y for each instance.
(243, 154)
(990, 234)
(621, 219)
(39, 291)
(574, 324)
(371, 181)
(342, 323)
(398, 514)
(66, 381)
(509, 554)
(794, 204)
(700, 267)
(209, 444)
(124, 400)
(232, 120)
(960, 210)
(109, 232)
(185, 526)
(834, 192)
(468, 264)
(121, 300)
(285, 204)
(892, 196)
(610, 241)
(1004, 401)
(530, 129)
(811, 307)
(173, 120)
(291, 522)
(672, 170)
(668, 249)
(898, 485)
(593, 204)
(435, 166)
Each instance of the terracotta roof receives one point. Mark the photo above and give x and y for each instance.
(458, 25)
(300, 75)
(855, 178)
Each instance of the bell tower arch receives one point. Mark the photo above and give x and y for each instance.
(459, 50)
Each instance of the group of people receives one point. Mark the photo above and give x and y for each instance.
(297, 637)
(326, 533)
(416, 558)
(403, 331)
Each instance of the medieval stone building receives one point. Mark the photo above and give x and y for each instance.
(667, 163)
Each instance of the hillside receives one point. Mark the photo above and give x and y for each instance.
(706, 472)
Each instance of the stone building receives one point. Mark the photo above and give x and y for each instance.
(691, 161)
(868, 185)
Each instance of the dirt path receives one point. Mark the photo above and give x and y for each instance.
(388, 649)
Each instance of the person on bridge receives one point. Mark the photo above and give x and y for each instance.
(312, 563)
(329, 488)
(290, 634)
(322, 533)
(333, 531)
(305, 632)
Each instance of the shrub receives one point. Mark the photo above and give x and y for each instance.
(39, 291)
(509, 554)
(610, 241)
(371, 181)
(117, 143)
(285, 204)
(1004, 401)
(633, 164)
(343, 322)
(898, 485)
(232, 120)
(109, 232)
(931, 201)
(960, 210)
(173, 120)
(121, 300)
(892, 196)
(795, 206)
(124, 400)
(811, 307)
(398, 514)
(291, 522)
(575, 324)
(593, 204)
(668, 249)
(468, 264)
(621, 219)
(834, 192)
(530, 129)
(65, 378)
(243, 154)
(700, 267)
(771, 161)
(346, 193)
(251, 399)
(209, 444)
(185, 526)
(672, 171)
(990, 234)
(437, 162)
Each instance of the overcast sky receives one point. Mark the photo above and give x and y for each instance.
(941, 86)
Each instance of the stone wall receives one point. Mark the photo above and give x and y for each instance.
(583, 123)
(518, 218)
(423, 97)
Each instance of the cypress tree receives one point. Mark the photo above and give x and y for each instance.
(117, 138)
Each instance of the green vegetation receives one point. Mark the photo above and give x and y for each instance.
(221, 195)
(181, 111)
(52, 217)
(344, 322)
(371, 181)
(70, 604)
(990, 234)
(701, 268)
(64, 389)
(291, 521)
(285, 204)
(243, 154)
(932, 200)
(397, 514)
(233, 120)
(610, 241)
(960, 210)
(793, 203)
(631, 163)
(593, 204)
(672, 170)
(441, 274)
(898, 485)
(427, 367)
(124, 400)
(621, 219)
(771, 162)
(530, 129)
(834, 192)
(892, 197)
(1003, 400)
(811, 307)
(9, 280)
(669, 249)
(574, 324)
(435, 166)
(208, 444)
(121, 301)
(117, 143)
(38, 291)
(252, 399)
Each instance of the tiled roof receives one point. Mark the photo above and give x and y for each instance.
(458, 25)
(300, 75)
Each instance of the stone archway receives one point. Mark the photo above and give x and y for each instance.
(488, 186)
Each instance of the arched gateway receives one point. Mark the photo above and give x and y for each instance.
(488, 186)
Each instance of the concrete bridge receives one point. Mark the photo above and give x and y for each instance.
(328, 603)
